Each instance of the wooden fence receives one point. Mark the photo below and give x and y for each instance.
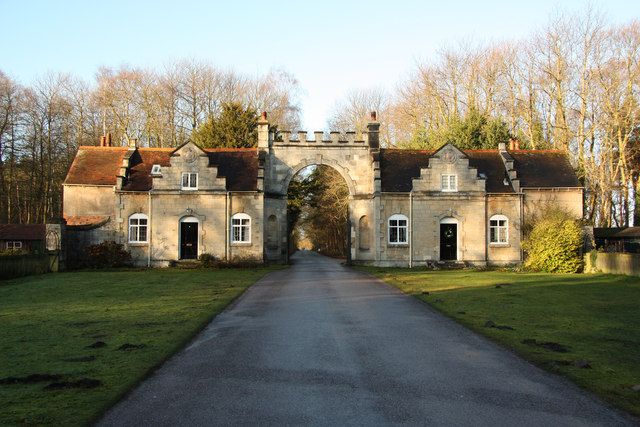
(612, 262)
(12, 266)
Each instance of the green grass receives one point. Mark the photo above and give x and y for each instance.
(596, 317)
(47, 322)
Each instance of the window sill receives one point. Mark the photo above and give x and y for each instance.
(397, 245)
(240, 243)
(138, 244)
(499, 245)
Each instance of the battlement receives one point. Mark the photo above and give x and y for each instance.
(319, 138)
(370, 138)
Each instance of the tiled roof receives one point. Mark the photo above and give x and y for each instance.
(399, 167)
(141, 163)
(100, 165)
(544, 169)
(535, 168)
(95, 165)
(22, 231)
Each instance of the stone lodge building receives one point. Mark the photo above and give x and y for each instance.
(406, 207)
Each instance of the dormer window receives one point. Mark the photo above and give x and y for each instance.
(156, 170)
(449, 183)
(189, 181)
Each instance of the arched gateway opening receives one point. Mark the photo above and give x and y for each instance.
(319, 192)
(318, 212)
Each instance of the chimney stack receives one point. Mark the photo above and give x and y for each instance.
(264, 139)
(133, 143)
(373, 131)
(108, 140)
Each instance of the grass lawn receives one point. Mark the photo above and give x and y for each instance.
(594, 318)
(52, 327)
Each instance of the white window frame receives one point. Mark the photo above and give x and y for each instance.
(156, 170)
(192, 181)
(398, 227)
(135, 227)
(241, 228)
(501, 234)
(448, 183)
(14, 244)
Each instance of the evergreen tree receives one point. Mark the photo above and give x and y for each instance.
(473, 131)
(234, 127)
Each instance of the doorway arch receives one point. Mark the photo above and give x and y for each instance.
(189, 236)
(449, 239)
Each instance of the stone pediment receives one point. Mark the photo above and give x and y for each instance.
(189, 152)
(449, 153)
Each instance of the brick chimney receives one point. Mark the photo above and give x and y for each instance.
(373, 131)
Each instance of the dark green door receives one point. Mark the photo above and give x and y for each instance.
(448, 242)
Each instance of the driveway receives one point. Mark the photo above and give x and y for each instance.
(320, 343)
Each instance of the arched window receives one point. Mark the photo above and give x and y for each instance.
(398, 229)
(498, 229)
(364, 233)
(241, 228)
(138, 228)
(272, 232)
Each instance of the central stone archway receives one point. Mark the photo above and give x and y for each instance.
(355, 159)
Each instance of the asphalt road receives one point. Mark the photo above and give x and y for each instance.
(319, 343)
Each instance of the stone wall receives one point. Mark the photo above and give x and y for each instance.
(612, 263)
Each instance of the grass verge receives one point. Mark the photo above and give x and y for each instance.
(74, 343)
(585, 327)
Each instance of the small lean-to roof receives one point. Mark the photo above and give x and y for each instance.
(544, 169)
(535, 168)
(22, 231)
(616, 233)
(101, 165)
(86, 222)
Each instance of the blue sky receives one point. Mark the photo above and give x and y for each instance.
(330, 46)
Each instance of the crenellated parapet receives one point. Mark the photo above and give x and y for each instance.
(320, 138)
(286, 138)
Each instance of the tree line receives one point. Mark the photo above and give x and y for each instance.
(574, 85)
(42, 125)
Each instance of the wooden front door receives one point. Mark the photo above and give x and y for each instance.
(188, 240)
(448, 242)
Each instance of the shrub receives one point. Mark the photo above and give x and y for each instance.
(107, 255)
(207, 260)
(554, 243)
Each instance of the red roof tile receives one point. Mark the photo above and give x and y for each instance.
(96, 165)
(100, 166)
